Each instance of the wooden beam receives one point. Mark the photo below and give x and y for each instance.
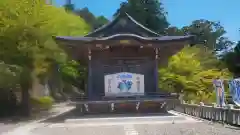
(89, 74)
(156, 68)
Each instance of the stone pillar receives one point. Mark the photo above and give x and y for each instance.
(156, 68)
(181, 97)
(89, 74)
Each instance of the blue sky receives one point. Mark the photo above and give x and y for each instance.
(180, 12)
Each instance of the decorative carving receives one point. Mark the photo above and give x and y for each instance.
(163, 105)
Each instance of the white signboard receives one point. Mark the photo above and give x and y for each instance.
(124, 84)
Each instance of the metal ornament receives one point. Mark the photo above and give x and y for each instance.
(86, 107)
(163, 105)
(112, 106)
(137, 105)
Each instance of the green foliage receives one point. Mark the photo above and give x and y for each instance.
(94, 21)
(9, 75)
(150, 13)
(100, 21)
(208, 31)
(192, 70)
(209, 34)
(188, 72)
(26, 33)
(62, 23)
(27, 30)
(45, 102)
(232, 60)
(70, 68)
(73, 73)
(174, 31)
(69, 7)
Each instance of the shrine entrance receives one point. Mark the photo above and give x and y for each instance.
(128, 60)
(123, 58)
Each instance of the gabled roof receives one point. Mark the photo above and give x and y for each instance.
(123, 24)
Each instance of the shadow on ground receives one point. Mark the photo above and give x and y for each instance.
(18, 118)
(74, 114)
(15, 119)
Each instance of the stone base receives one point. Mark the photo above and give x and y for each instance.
(122, 107)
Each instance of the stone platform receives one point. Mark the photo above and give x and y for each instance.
(143, 104)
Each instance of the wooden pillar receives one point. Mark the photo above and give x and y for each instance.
(156, 68)
(90, 74)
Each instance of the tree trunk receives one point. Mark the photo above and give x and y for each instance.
(26, 109)
(26, 83)
(53, 81)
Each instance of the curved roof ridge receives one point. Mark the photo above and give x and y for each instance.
(146, 38)
(102, 27)
(161, 38)
(139, 24)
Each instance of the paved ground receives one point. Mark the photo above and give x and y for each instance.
(6, 127)
(9, 125)
(148, 125)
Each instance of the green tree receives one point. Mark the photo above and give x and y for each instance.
(188, 72)
(223, 44)
(174, 31)
(100, 21)
(91, 19)
(9, 75)
(150, 13)
(26, 38)
(208, 32)
(232, 60)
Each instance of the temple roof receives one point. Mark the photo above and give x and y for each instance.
(161, 38)
(123, 24)
(122, 27)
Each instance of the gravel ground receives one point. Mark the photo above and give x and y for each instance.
(6, 127)
(140, 129)
(185, 129)
(157, 125)
(169, 124)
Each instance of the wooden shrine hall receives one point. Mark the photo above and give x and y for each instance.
(123, 58)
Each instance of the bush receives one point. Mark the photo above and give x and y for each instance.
(44, 103)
